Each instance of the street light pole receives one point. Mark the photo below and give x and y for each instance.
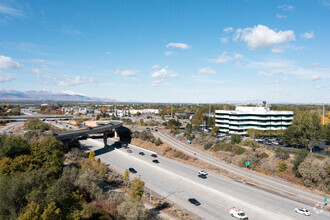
(150, 185)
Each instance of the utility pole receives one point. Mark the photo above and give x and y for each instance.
(171, 110)
(323, 114)
(150, 185)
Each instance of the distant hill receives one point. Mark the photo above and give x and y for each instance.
(38, 95)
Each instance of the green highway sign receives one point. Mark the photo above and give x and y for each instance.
(325, 199)
(247, 163)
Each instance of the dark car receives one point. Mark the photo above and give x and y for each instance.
(54, 134)
(129, 151)
(132, 170)
(153, 155)
(125, 146)
(203, 176)
(141, 153)
(89, 128)
(155, 161)
(194, 201)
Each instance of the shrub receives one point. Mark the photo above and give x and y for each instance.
(131, 209)
(238, 150)
(281, 166)
(235, 138)
(137, 188)
(207, 146)
(281, 153)
(299, 157)
(263, 155)
(158, 142)
(126, 175)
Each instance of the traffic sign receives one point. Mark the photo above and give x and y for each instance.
(247, 163)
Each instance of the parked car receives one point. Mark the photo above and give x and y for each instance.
(234, 212)
(194, 201)
(302, 211)
(155, 161)
(132, 170)
(202, 176)
(203, 172)
(129, 151)
(141, 153)
(154, 155)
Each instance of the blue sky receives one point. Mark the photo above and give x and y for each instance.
(169, 50)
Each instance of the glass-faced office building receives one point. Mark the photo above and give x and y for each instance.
(243, 118)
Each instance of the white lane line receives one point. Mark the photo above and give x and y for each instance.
(263, 212)
(152, 152)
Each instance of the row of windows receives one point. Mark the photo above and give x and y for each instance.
(264, 121)
(255, 115)
(258, 126)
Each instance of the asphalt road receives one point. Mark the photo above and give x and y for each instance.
(279, 185)
(177, 182)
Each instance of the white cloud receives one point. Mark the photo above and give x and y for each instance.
(75, 81)
(8, 63)
(11, 11)
(224, 58)
(36, 71)
(206, 70)
(4, 77)
(38, 61)
(228, 29)
(178, 45)
(308, 35)
(315, 77)
(164, 73)
(261, 36)
(286, 7)
(224, 40)
(281, 16)
(276, 50)
(130, 73)
(169, 53)
(316, 64)
(70, 31)
(155, 67)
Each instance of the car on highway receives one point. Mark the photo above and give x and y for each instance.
(129, 151)
(302, 211)
(141, 153)
(154, 155)
(203, 172)
(54, 134)
(202, 176)
(132, 170)
(155, 161)
(194, 201)
(237, 213)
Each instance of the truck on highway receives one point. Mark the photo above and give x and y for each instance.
(234, 212)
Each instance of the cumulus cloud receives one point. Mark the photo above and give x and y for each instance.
(308, 35)
(8, 63)
(281, 16)
(129, 73)
(286, 7)
(178, 45)
(4, 77)
(75, 81)
(169, 53)
(228, 29)
(224, 40)
(261, 36)
(164, 73)
(206, 70)
(224, 58)
(155, 67)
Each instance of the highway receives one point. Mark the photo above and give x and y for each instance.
(177, 182)
(278, 185)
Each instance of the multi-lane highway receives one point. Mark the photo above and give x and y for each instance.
(177, 182)
(276, 184)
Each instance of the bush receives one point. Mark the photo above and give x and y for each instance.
(131, 209)
(207, 146)
(13, 146)
(235, 138)
(37, 124)
(229, 147)
(281, 166)
(281, 153)
(238, 150)
(181, 155)
(137, 188)
(299, 157)
(263, 155)
(158, 142)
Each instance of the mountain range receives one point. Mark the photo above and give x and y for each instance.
(39, 95)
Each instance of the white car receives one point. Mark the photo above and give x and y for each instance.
(302, 211)
(237, 213)
(203, 172)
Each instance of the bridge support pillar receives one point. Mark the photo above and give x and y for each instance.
(105, 137)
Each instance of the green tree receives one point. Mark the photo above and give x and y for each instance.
(126, 174)
(51, 212)
(137, 188)
(305, 130)
(235, 138)
(327, 132)
(13, 146)
(281, 167)
(173, 124)
(158, 142)
(189, 128)
(32, 212)
(298, 159)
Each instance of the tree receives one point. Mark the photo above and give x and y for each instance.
(91, 156)
(189, 128)
(126, 174)
(131, 209)
(158, 142)
(327, 132)
(305, 130)
(137, 188)
(235, 138)
(51, 212)
(32, 212)
(281, 166)
(138, 114)
(14, 146)
(173, 124)
(298, 159)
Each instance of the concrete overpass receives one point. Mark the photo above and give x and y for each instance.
(108, 130)
(46, 117)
